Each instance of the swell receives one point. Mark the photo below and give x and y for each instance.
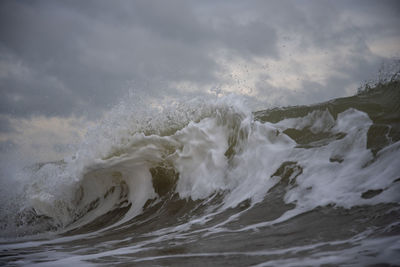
(381, 103)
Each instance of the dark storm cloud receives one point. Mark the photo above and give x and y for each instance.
(30, 90)
(59, 58)
(93, 53)
(80, 56)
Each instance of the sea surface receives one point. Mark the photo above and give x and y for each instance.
(213, 183)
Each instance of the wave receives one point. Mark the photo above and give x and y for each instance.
(214, 166)
(335, 153)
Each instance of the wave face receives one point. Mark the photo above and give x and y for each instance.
(212, 183)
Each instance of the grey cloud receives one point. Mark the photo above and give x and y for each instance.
(94, 49)
(6, 146)
(26, 90)
(309, 93)
(252, 39)
(5, 125)
(80, 57)
(61, 148)
(93, 58)
(312, 92)
(327, 24)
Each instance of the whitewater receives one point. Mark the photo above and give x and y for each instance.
(211, 182)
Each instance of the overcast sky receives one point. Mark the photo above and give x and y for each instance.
(64, 63)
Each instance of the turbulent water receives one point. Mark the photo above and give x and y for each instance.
(212, 183)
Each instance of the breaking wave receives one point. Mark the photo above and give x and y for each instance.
(212, 179)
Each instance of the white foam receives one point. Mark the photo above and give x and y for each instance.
(201, 162)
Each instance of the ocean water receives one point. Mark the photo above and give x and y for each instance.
(212, 183)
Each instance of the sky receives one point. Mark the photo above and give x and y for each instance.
(64, 64)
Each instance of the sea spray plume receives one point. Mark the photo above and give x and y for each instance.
(65, 191)
(388, 73)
